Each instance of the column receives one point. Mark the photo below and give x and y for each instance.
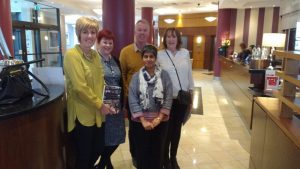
(223, 31)
(118, 17)
(6, 24)
(147, 14)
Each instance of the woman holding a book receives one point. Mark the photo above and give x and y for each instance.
(150, 101)
(114, 125)
(84, 80)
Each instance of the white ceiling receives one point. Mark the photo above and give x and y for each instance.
(161, 7)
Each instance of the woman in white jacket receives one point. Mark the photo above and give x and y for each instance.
(174, 58)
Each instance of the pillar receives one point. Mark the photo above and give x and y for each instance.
(118, 17)
(223, 32)
(147, 14)
(6, 24)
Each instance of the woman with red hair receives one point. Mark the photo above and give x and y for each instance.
(114, 125)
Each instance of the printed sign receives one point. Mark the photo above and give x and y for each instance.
(271, 80)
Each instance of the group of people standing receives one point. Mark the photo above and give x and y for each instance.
(150, 81)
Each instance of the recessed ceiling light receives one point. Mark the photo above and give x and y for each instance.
(169, 20)
(210, 18)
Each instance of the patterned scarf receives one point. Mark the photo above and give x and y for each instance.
(146, 79)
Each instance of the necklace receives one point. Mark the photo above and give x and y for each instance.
(108, 63)
(88, 56)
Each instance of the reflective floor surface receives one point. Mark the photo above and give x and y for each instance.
(217, 139)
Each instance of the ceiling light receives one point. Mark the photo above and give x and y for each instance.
(169, 21)
(210, 18)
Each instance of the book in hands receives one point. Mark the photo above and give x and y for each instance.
(112, 96)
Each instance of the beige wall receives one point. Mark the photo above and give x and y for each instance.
(267, 28)
(239, 28)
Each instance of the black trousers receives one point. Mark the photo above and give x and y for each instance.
(88, 145)
(131, 134)
(105, 156)
(107, 151)
(174, 130)
(150, 145)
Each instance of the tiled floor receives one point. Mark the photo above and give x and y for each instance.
(216, 140)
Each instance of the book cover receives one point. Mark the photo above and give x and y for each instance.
(111, 96)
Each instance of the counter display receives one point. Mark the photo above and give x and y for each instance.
(32, 133)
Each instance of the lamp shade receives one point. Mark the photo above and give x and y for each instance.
(273, 39)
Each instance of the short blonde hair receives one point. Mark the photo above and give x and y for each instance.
(84, 23)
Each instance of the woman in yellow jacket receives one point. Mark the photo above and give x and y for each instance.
(84, 78)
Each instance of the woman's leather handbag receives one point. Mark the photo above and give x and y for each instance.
(16, 85)
(184, 97)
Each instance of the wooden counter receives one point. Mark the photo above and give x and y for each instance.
(235, 79)
(275, 141)
(31, 133)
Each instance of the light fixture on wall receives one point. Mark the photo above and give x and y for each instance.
(46, 37)
(199, 39)
(210, 18)
(169, 20)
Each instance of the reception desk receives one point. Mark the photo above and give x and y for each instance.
(235, 79)
(31, 132)
(275, 141)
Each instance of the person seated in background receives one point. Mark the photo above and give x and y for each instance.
(244, 53)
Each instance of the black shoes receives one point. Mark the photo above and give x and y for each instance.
(134, 162)
(174, 163)
(167, 165)
(109, 165)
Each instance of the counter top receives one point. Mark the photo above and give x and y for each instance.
(290, 127)
(28, 104)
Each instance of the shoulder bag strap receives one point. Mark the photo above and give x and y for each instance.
(39, 81)
(175, 68)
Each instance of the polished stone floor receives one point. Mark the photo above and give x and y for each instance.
(216, 140)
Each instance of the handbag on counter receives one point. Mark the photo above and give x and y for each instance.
(15, 84)
(183, 97)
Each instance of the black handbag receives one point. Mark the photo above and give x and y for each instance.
(15, 84)
(183, 97)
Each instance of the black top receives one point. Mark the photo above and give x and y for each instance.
(29, 104)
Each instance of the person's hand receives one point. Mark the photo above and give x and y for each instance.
(156, 121)
(146, 124)
(106, 109)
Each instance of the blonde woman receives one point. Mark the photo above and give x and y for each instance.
(84, 78)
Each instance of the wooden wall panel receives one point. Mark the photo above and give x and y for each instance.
(198, 53)
(187, 20)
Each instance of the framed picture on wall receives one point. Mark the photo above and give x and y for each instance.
(53, 39)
